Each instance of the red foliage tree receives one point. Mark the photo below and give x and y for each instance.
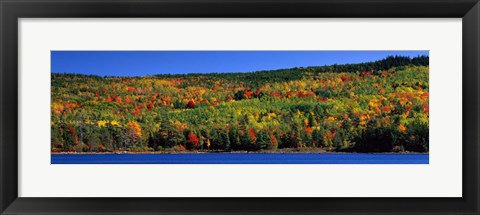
(191, 104)
(118, 100)
(193, 139)
(128, 100)
(72, 131)
(308, 130)
(386, 109)
(252, 135)
(276, 94)
(248, 94)
(137, 111)
(131, 89)
(273, 140)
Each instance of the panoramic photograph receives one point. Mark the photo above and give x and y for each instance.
(239, 107)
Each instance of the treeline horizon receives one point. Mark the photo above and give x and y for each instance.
(379, 106)
(383, 64)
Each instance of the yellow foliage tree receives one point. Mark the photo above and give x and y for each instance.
(102, 123)
(134, 130)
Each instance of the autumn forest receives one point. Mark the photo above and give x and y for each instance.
(379, 106)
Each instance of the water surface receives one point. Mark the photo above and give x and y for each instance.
(237, 158)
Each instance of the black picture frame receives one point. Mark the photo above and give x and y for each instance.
(12, 10)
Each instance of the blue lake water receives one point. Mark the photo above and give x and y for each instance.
(252, 158)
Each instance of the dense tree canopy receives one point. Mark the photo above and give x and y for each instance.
(379, 106)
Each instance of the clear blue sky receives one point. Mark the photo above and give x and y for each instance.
(140, 63)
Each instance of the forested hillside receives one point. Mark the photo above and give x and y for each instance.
(380, 106)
